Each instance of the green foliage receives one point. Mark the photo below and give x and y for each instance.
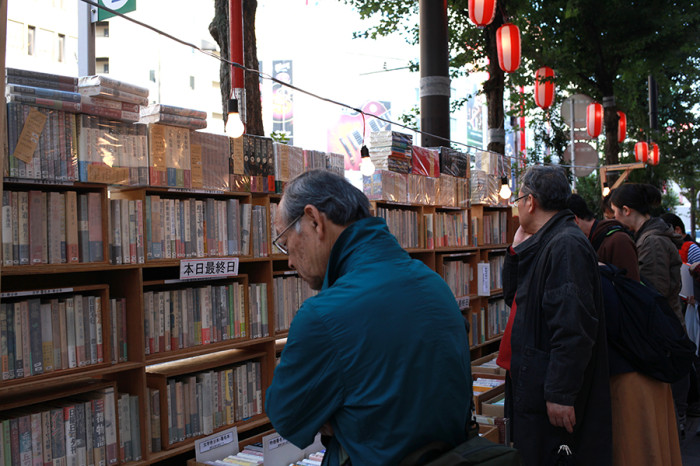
(280, 136)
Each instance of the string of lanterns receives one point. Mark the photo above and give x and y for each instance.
(483, 12)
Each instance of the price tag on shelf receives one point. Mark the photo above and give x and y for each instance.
(29, 138)
(217, 446)
(208, 268)
(463, 302)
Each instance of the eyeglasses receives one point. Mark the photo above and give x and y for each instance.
(517, 199)
(283, 246)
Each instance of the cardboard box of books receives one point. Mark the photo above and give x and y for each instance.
(487, 365)
(494, 406)
(385, 185)
(485, 387)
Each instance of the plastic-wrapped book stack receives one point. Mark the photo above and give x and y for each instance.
(111, 98)
(390, 150)
(176, 116)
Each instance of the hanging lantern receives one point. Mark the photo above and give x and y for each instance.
(508, 45)
(621, 126)
(594, 119)
(641, 152)
(544, 87)
(653, 158)
(482, 12)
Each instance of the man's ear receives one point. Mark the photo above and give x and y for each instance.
(318, 219)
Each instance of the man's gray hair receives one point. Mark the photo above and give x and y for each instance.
(548, 184)
(331, 194)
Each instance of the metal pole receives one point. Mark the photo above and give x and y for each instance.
(653, 108)
(434, 73)
(86, 39)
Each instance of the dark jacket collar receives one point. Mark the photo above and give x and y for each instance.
(370, 237)
(533, 244)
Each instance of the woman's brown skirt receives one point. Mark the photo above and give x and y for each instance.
(643, 422)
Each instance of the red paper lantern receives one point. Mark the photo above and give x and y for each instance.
(594, 119)
(653, 158)
(508, 46)
(482, 12)
(641, 152)
(621, 126)
(544, 87)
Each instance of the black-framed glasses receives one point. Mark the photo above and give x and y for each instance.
(517, 199)
(283, 246)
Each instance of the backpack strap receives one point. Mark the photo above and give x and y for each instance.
(600, 237)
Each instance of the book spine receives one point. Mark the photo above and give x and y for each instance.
(83, 230)
(95, 227)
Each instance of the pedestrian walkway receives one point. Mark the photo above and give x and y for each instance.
(690, 447)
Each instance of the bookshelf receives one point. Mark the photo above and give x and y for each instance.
(128, 290)
(97, 314)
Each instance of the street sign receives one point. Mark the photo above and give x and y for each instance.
(580, 103)
(586, 158)
(122, 6)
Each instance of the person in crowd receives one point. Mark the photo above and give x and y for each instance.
(690, 255)
(554, 346)
(640, 436)
(689, 251)
(659, 260)
(379, 359)
(611, 247)
(605, 206)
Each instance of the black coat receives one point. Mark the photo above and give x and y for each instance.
(559, 345)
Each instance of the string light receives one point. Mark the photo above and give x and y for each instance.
(505, 191)
(295, 88)
(234, 126)
(606, 189)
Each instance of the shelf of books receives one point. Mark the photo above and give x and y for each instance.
(143, 305)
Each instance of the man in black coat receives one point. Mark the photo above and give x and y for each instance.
(555, 343)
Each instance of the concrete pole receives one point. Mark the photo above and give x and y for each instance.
(86, 39)
(434, 76)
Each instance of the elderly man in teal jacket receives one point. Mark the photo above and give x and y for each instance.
(379, 359)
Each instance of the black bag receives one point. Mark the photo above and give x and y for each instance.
(475, 451)
(648, 335)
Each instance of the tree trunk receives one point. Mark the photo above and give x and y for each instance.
(494, 88)
(219, 30)
(254, 123)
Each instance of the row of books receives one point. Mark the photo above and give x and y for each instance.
(458, 274)
(495, 227)
(497, 318)
(257, 299)
(446, 190)
(403, 224)
(45, 335)
(496, 263)
(40, 227)
(186, 317)
(126, 240)
(451, 228)
(290, 291)
(78, 430)
(199, 403)
(128, 411)
(188, 228)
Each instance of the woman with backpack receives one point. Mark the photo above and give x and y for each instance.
(640, 436)
(659, 261)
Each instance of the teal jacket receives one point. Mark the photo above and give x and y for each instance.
(381, 353)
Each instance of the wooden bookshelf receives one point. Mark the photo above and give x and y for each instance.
(141, 371)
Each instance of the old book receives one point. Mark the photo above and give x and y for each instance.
(95, 227)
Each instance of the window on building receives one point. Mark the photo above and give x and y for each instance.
(102, 65)
(102, 29)
(192, 82)
(31, 40)
(61, 48)
(152, 75)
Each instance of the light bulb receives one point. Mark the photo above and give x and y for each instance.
(234, 126)
(505, 191)
(366, 166)
(606, 189)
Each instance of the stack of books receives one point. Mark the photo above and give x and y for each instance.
(111, 98)
(43, 90)
(390, 150)
(176, 116)
(209, 159)
(43, 104)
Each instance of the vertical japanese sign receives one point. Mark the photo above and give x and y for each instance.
(282, 103)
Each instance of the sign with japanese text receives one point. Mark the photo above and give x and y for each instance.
(218, 267)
